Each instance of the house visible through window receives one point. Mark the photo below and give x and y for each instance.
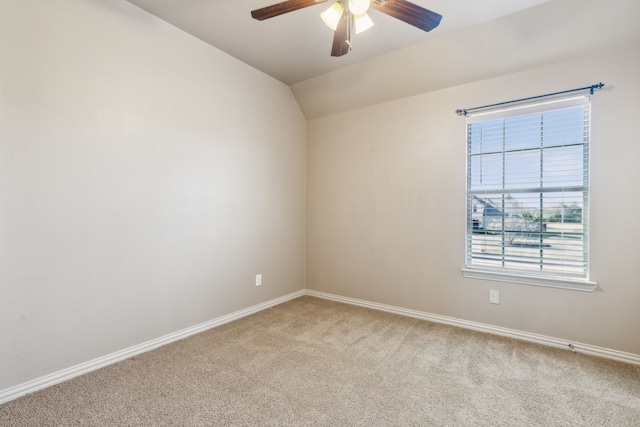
(528, 191)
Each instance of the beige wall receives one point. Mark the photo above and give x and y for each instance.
(145, 178)
(386, 203)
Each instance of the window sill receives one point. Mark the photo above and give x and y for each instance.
(574, 285)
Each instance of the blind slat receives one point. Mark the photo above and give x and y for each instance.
(527, 191)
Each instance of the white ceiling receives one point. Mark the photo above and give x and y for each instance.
(296, 46)
(476, 40)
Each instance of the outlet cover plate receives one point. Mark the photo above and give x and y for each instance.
(494, 296)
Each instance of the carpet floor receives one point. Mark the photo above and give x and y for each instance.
(313, 362)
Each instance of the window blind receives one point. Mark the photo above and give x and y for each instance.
(528, 189)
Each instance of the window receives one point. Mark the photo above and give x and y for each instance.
(528, 194)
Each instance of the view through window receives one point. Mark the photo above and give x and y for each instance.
(528, 189)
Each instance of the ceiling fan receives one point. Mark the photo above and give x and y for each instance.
(348, 16)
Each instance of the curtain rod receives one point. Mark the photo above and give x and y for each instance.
(464, 112)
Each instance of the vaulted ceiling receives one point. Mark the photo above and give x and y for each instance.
(475, 40)
(295, 46)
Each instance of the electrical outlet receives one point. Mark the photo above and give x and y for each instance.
(494, 296)
(258, 279)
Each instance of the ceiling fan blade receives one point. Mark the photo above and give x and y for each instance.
(342, 35)
(410, 13)
(281, 8)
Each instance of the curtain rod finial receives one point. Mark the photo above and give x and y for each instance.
(597, 86)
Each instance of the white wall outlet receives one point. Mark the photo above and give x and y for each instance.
(258, 279)
(494, 296)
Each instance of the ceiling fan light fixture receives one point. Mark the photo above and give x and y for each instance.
(346, 17)
(362, 22)
(332, 16)
(359, 7)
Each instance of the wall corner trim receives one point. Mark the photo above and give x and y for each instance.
(100, 362)
(591, 350)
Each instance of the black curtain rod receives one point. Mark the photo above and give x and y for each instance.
(591, 88)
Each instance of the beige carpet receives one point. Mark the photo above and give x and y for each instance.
(321, 363)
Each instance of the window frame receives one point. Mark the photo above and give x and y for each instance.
(524, 276)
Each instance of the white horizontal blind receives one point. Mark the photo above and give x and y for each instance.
(528, 189)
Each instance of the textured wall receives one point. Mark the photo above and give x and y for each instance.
(145, 178)
(386, 206)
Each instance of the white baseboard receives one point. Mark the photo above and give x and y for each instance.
(592, 350)
(84, 368)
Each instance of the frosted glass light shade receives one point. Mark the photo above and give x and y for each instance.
(359, 7)
(363, 23)
(331, 16)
